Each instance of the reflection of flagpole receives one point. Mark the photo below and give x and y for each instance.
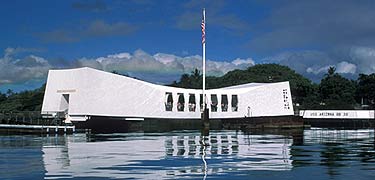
(204, 158)
(204, 56)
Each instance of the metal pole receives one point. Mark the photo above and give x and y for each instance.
(205, 113)
(204, 58)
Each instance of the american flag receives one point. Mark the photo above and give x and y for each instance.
(203, 31)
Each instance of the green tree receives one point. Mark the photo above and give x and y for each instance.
(3, 97)
(337, 92)
(301, 87)
(366, 89)
(331, 71)
(10, 92)
(23, 101)
(192, 80)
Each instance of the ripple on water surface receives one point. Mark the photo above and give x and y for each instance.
(314, 154)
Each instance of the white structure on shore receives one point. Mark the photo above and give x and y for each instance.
(337, 114)
(84, 92)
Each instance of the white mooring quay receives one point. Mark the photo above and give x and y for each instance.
(337, 114)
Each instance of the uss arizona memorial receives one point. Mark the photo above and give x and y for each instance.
(83, 93)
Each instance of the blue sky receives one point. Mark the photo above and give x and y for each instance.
(159, 40)
(66, 29)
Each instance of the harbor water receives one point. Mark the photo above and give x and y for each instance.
(289, 154)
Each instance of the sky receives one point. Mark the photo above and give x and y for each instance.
(157, 41)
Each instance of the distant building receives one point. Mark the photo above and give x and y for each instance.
(84, 93)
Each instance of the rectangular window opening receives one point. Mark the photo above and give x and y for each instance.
(214, 103)
(234, 103)
(201, 102)
(168, 101)
(224, 103)
(180, 102)
(192, 103)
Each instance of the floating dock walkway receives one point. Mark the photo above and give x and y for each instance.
(32, 122)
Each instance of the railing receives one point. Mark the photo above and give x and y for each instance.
(27, 118)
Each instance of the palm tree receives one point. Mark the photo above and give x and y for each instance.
(9, 92)
(331, 71)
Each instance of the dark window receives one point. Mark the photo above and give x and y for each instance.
(214, 103)
(180, 102)
(224, 103)
(201, 102)
(66, 97)
(65, 102)
(192, 103)
(234, 103)
(168, 101)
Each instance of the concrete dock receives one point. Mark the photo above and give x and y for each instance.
(339, 118)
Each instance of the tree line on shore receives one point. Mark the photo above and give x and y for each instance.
(333, 92)
(30, 100)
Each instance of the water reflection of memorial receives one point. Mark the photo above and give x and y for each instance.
(182, 154)
(253, 152)
(335, 154)
(164, 156)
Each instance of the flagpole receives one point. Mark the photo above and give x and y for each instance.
(204, 59)
(205, 114)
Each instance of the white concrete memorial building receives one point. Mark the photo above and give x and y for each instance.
(83, 93)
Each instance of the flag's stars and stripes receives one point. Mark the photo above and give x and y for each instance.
(203, 32)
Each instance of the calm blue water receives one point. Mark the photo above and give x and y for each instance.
(308, 154)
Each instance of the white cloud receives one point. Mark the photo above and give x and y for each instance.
(9, 51)
(317, 70)
(165, 68)
(345, 67)
(18, 70)
(314, 64)
(364, 58)
(342, 67)
(162, 63)
(165, 58)
(120, 55)
(248, 61)
(13, 51)
(84, 62)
